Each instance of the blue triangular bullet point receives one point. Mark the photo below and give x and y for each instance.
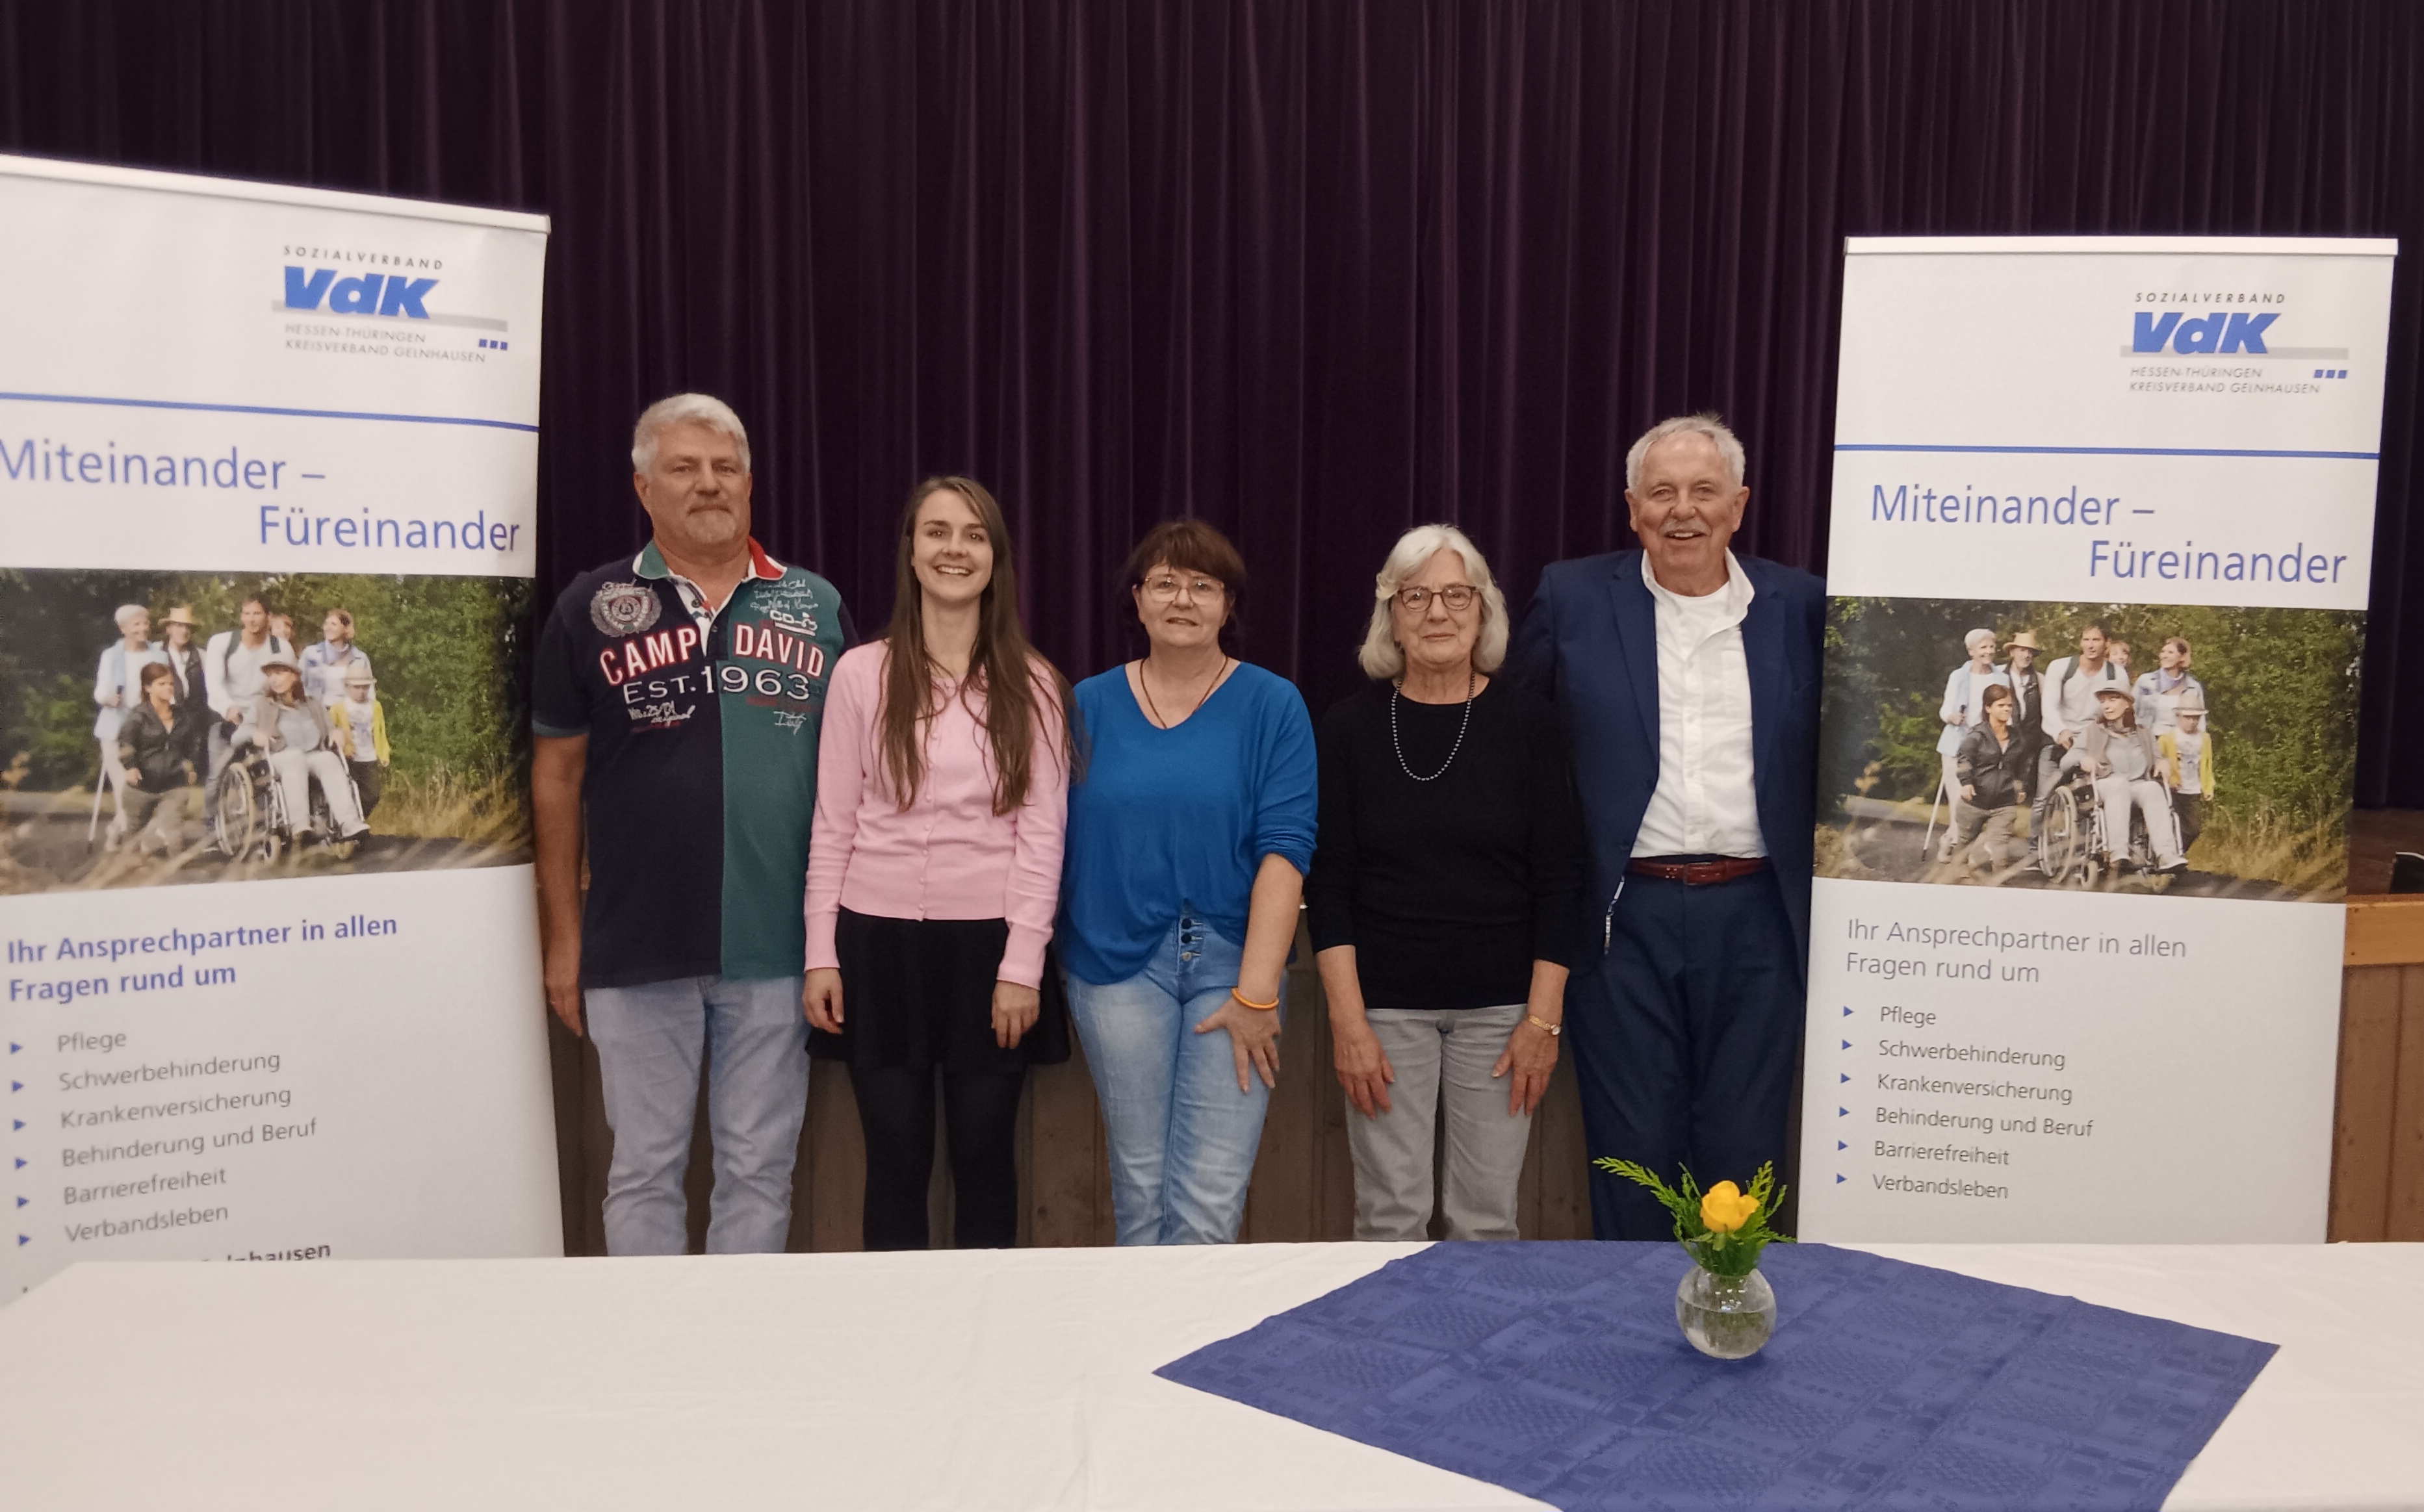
(21, 1202)
(1841, 1113)
(1839, 1178)
(1847, 1012)
(14, 1047)
(1842, 1077)
(17, 1122)
(25, 1238)
(1848, 1044)
(16, 1086)
(1841, 1145)
(21, 1162)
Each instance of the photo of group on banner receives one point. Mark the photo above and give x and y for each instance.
(218, 746)
(305, 737)
(2056, 758)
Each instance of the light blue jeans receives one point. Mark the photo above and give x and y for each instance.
(1183, 1137)
(650, 1039)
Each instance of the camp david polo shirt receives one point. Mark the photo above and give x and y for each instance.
(701, 776)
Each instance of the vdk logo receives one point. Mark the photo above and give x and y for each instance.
(376, 294)
(2215, 334)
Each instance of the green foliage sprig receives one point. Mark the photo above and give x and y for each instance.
(1720, 1249)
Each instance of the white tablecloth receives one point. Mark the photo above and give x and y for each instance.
(990, 1379)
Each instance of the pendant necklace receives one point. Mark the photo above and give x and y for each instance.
(1146, 684)
(1395, 692)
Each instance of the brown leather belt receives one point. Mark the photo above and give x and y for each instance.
(1698, 873)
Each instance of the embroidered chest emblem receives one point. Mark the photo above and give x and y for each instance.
(798, 617)
(619, 609)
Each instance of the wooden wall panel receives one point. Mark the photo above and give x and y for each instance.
(2384, 930)
(582, 1142)
(1066, 1177)
(1562, 1158)
(1285, 1202)
(2378, 1123)
(1303, 1183)
(2403, 1220)
(2364, 1115)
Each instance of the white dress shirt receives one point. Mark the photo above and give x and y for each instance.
(1704, 804)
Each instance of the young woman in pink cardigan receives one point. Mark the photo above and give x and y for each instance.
(935, 871)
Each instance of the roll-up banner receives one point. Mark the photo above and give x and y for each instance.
(2101, 535)
(272, 967)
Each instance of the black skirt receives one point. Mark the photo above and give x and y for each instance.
(918, 993)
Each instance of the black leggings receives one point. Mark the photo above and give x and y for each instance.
(896, 1112)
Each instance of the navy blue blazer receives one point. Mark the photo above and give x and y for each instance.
(1590, 641)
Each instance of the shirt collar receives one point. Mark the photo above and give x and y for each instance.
(650, 563)
(1735, 595)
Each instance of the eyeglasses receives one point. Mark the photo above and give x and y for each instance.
(1459, 596)
(1165, 588)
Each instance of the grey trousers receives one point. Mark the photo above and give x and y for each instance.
(1442, 1060)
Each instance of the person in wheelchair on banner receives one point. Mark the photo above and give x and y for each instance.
(2071, 703)
(1993, 768)
(295, 733)
(2120, 756)
(159, 746)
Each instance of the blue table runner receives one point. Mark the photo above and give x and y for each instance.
(1557, 1371)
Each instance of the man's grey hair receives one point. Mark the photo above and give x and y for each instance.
(126, 613)
(1704, 423)
(1383, 659)
(685, 409)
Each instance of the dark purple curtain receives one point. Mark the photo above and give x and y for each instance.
(1312, 269)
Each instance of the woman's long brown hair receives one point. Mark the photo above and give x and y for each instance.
(1001, 665)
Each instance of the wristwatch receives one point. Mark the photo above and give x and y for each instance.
(1552, 1030)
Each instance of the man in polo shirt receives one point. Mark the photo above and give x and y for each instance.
(680, 693)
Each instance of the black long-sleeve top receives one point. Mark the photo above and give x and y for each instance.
(165, 757)
(1999, 772)
(1448, 889)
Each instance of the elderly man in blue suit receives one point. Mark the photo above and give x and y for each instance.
(1688, 678)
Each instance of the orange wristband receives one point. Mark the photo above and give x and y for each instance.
(1247, 1002)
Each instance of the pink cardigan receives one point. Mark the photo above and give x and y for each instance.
(949, 855)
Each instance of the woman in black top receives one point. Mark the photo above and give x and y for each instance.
(1994, 764)
(1444, 894)
(160, 745)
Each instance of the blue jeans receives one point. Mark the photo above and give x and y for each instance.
(1182, 1135)
(650, 1039)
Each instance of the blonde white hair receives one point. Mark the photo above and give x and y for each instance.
(1383, 660)
(126, 613)
(1969, 642)
(685, 409)
(1729, 449)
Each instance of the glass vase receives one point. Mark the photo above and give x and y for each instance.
(1727, 1317)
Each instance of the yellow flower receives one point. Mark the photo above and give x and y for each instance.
(1724, 1208)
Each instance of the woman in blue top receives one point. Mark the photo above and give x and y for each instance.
(1189, 834)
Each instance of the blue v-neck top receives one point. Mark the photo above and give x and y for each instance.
(1180, 819)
